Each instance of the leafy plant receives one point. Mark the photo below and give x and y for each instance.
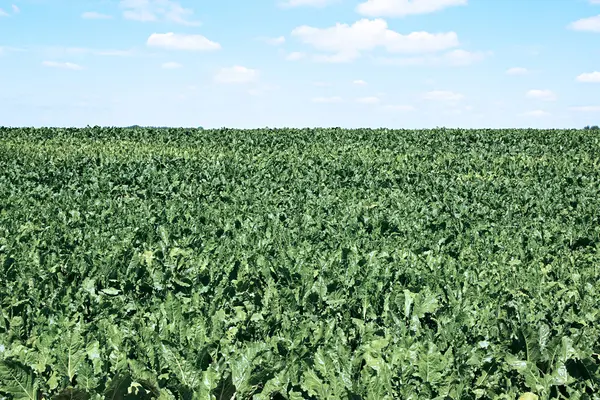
(164, 263)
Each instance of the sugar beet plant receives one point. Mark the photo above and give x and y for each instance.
(299, 264)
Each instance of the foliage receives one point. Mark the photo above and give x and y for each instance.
(297, 264)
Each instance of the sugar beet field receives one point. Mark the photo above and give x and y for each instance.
(140, 263)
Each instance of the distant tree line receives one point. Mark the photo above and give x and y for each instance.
(591, 128)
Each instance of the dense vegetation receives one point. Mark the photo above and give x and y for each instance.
(296, 264)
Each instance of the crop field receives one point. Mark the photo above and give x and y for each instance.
(299, 264)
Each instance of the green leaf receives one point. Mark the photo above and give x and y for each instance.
(17, 381)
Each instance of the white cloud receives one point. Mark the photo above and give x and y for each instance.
(236, 74)
(15, 9)
(334, 58)
(154, 10)
(333, 99)
(399, 107)
(517, 71)
(346, 42)
(591, 24)
(295, 56)
(535, 113)
(453, 58)
(171, 65)
(3, 13)
(359, 82)
(64, 65)
(401, 8)
(546, 95)
(368, 100)
(443, 95)
(589, 77)
(95, 15)
(181, 41)
(308, 3)
(594, 1)
(586, 108)
(275, 41)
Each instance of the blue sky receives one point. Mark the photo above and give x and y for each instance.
(300, 63)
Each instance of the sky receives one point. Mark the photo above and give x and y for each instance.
(300, 63)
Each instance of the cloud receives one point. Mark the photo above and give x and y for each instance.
(307, 3)
(332, 99)
(368, 100)
(64, 65)
(589, 77)
(274, 41)
(398, 107)
(295, 56)
(586, 108)
(236, 74)
(3, 13)
(6, 49)
(15, 9)
(347, 42)
(334, 58)
(171, 65)
(546, 95)
(359, 82)
(181, 41)
(517, 71)
(155, 10)
(591, 24)
(535, 113)
(95, 15)
(443, 95)
(454, 58)
(402, 8)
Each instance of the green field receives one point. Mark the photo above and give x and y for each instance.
(299, 264)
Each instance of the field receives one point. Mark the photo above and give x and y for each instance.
(299, 264)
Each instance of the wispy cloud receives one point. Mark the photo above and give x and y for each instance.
(541, 94)
(275, 41)
(585, 108)
(295, 56)
(589, 77)
(454, 58)
(368, 100)
(517, 71)
(57, 51)
(535, 113)
(95, 15)
(155, 10)
(236, 74)
(171, 65)
(591, 24)
(443, 95)
(63, 65)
